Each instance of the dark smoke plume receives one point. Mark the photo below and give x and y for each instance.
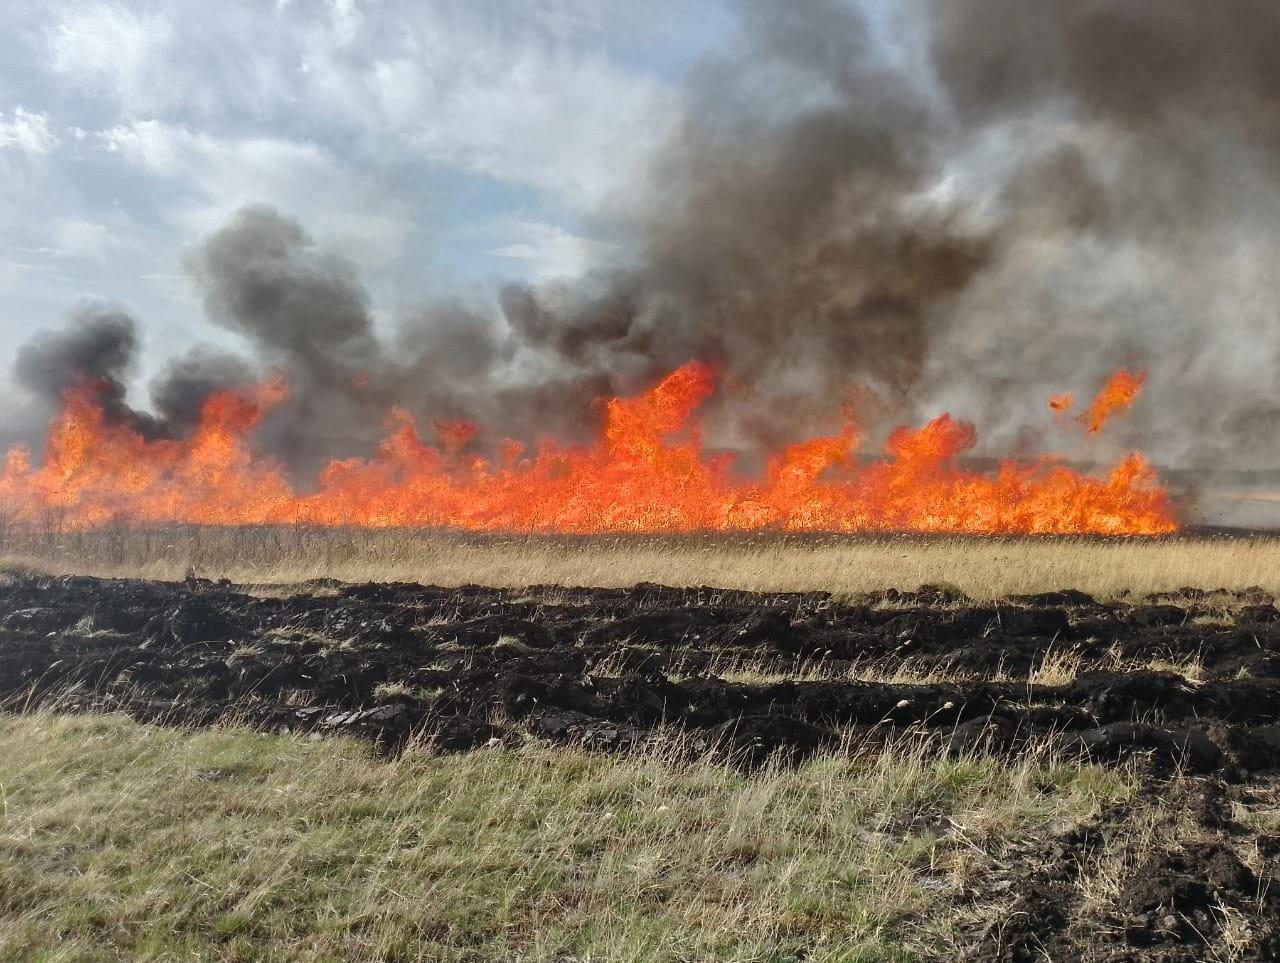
(98, 347)
(786, 247)
(306, 313)
(263, 277)
(967, 205)
(181, 391)
(786, 233)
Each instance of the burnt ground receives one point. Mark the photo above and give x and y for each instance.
(612, 669)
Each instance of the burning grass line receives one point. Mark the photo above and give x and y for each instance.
(645, 471)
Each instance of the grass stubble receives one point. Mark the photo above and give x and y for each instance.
(120, 840)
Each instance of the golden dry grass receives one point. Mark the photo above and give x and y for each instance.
(981, 567)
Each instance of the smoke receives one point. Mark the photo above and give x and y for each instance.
(963, 205)
(1128, 155)
(1139, 63)
(793, 247)
(262, 277)
(98, 346)
(786, 234)
(305, 312)
(180, 392)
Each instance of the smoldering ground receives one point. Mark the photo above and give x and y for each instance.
(963, 205)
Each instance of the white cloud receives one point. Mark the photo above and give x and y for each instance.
(12, 270)
(76, 237)
(352, 116)
(346, 20)
(575, 126)
(215, 164)
(172, 286)
(351, 211)
(106, 43)
(529, 94)
(33, 282)
(551, 251)
(523, 94)
(27, 131)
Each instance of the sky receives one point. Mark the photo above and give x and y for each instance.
(439, 146)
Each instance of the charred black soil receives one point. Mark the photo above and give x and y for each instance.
(608, 667)
(1182, 686)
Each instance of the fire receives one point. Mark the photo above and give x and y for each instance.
(646, 472)
(1116, 395)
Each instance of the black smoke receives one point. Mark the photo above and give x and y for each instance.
(179, 393)
(97, 348)
(785, 234)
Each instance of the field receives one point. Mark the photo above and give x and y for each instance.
(419, 746)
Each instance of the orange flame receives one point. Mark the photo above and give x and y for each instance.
(645, 473)
(1116, 395)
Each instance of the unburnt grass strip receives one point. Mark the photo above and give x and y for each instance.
(121, 840)
(983, 568)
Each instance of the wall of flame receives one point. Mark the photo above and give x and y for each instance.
(646, 472)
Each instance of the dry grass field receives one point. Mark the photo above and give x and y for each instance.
(983, 568)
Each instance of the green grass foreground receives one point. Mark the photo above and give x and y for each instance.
(120, 841)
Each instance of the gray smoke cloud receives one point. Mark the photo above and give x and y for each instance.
(791, 247)
(786, 235)
(307, 314)
(179, 393)
(99, 347)
(966, 207)
(1127, 154)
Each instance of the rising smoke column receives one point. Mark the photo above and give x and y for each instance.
(786, 232)
(791, 247)
(306, 313)
(99, 347)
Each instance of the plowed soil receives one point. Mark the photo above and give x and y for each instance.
(613, 669)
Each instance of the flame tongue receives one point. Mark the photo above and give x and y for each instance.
(645, 473)
(1116, 395)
